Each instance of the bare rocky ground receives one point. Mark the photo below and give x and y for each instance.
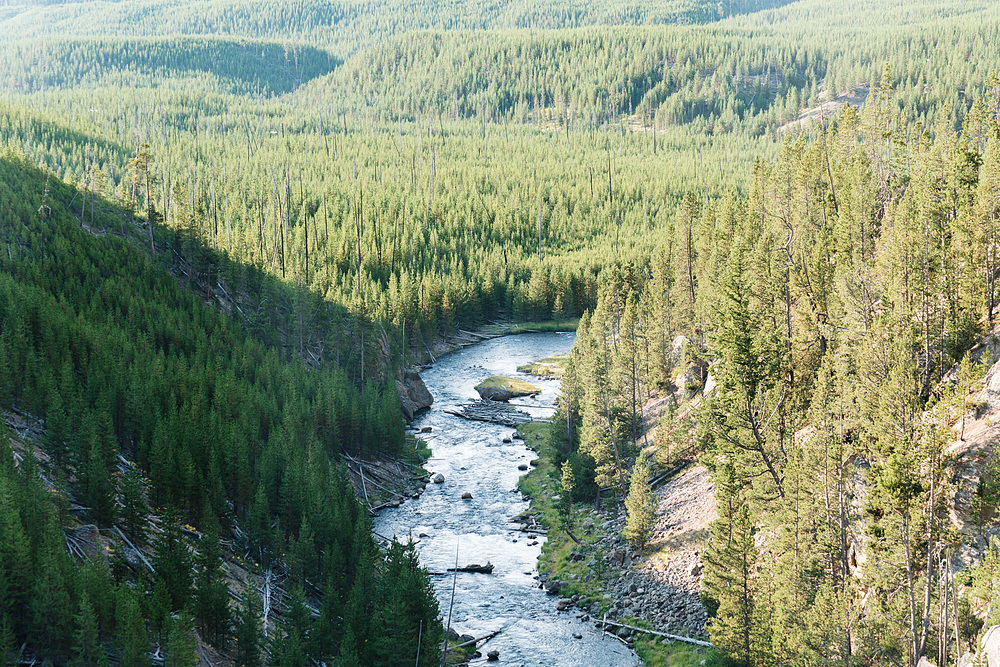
(660, 585)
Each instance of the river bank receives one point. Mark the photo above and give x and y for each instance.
(595, 574)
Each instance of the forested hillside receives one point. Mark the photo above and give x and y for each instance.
(819, 313)
(226, 228)
(343, 27)
(230, 430)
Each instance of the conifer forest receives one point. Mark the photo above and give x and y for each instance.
(231, 230)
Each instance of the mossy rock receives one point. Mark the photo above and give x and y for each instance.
(553, 366)
(499, 388)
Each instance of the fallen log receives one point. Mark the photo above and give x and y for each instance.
(493, 412)
(475, 568)
(138, 553)
(666, 635)
(473, 642)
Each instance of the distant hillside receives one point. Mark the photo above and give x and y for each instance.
(344, 27)
(236, 66)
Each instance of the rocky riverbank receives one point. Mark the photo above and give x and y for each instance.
(659, 585)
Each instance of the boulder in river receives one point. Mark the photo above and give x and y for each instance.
(437, 478)
(523, 466)
(467, 495)
(413, 394)
(498, 394)
(499, 388)
(493, 656)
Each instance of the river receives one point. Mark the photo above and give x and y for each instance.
(472, 457)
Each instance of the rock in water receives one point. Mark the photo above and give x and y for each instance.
(413, 394)
(437, 478)
(466, 496)
(498, 394)
(493, 656)
(500, 388)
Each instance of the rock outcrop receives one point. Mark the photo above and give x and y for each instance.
(991, 646)
(413, 394)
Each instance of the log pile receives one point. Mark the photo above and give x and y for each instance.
(493, 412)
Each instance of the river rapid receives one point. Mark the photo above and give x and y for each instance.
(473, 457)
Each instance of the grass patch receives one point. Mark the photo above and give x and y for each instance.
(543, 485)
(553, 366)
(419, 447)
(655, 653)
(518, 387)
(546, 326)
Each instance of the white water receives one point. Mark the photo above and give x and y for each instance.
(472, 457)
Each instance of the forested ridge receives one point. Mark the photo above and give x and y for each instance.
(827, 316)
(226, 228)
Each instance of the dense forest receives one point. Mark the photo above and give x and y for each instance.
(825, 305)
(226, 229)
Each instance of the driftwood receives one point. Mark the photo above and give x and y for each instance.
(473, 642)
(667, 635)
(474, 567)
(493, 412)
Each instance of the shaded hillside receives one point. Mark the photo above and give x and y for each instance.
(233, 433)
(235, 66)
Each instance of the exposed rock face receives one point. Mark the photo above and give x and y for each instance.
(499, 394)
(991, 646)
(413, 394)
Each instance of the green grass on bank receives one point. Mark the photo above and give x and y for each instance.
(550, 366)
(655, 653)
(544, 326)
(542, 484)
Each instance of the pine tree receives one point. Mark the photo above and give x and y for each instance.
(742, 412)
(212, 593)
(134, 512)
(639, 505)
(130, 631)
(736, 628)
(248, 630)
(567, 482)
(98, 491)
(182, 644)
(172, 563)
(85, 637)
